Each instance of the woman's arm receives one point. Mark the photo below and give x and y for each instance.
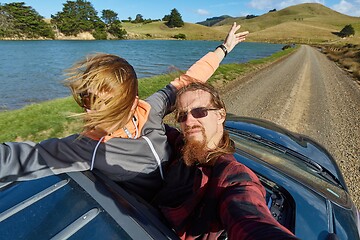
(203, 69)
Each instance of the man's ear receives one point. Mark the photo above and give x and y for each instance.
(222, 116)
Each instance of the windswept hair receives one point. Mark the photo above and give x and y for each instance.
(226, 145)
(104, 73)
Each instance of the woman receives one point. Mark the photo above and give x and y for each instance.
(123, 137)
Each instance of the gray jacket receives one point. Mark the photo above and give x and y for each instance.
(137, 163)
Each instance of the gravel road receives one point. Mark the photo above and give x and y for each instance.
(308, 94)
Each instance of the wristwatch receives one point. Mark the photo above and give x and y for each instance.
(222, 46)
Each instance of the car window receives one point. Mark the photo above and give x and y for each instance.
(291, 166)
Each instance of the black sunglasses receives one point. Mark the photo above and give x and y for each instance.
(199, 112)
(85, 99)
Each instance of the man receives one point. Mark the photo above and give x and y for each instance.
(207, 190)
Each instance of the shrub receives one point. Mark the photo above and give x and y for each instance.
(179, 36)
(348, 30)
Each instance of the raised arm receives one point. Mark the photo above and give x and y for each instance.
(163, 101)
(203, 69)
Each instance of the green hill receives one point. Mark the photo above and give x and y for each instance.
(303, 23)
(158, 30)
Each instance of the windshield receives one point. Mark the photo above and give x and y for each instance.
(306, 172)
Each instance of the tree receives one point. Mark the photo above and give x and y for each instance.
(175, 19)
(18, 20)
(250, 16)
(348, 30)
(7, 26)
(139, 18)
(113, 24)
(109, 16)
(166, 18)
(78, 16)
(116, 29)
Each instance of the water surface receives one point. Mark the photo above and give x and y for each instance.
(32, 71)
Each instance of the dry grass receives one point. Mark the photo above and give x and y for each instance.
(308, 23)
(347, 56)
(158, 30)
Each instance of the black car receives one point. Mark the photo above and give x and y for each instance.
(305, 189)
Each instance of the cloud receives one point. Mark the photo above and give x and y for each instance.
(345, 7)
(226, 4)
(261, 4)
(202, 12)
(270, 4)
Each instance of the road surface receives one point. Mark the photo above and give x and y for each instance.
(308, 94)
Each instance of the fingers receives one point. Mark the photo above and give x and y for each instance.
(240, 34)
(233, 38)
(234, 28)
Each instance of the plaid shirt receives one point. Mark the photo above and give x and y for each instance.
(201, 202)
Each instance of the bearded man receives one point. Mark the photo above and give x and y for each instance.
(207, 192)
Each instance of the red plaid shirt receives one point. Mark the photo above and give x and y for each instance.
(201, 202)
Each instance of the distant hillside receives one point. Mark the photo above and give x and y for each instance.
(214, 20)
(158, 30)
(303, 23)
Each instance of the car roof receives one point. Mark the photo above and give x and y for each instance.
(72, 205)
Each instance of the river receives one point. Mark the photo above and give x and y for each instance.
(32, 71)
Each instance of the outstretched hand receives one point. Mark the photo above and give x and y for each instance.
(233, 38)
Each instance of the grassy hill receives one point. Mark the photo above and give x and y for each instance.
(158, 30)
(303, 23)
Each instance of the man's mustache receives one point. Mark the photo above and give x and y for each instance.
(188, 129)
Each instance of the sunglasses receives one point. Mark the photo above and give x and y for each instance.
(85, 99)
(199, 112)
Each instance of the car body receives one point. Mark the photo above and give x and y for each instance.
(305, 189)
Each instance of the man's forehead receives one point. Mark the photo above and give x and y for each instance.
(194, 97)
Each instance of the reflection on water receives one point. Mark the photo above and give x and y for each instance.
(32, 71)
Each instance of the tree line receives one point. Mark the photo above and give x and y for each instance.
(20, 21)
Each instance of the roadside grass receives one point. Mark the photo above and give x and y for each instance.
(347, 56)
(52, 118)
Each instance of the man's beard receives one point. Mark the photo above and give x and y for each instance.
(195, 151)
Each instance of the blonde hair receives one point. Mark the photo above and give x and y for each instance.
(110, 77)
(226, 145)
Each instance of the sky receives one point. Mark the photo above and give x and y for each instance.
(191, 11)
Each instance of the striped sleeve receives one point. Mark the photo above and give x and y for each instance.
(243, 210)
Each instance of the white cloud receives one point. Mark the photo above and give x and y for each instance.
(202, 12)
(270, 4)
(261, 4)
(225, 4)
(343, 6)
(348, 8)
(287, 3)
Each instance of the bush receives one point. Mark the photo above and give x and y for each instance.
(99, 34)
(348, 30)
(179, 36)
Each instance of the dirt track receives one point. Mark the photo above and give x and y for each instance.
(311, 95)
